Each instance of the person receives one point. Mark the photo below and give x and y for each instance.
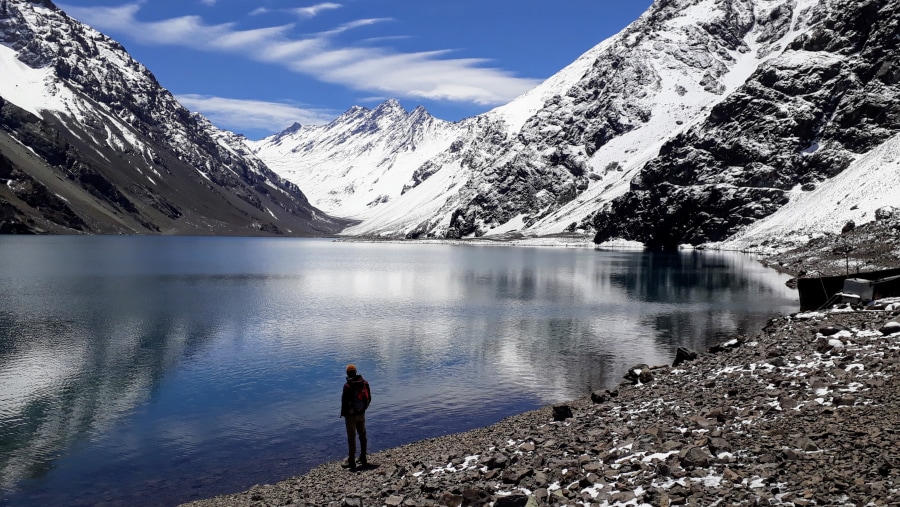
(354, 401)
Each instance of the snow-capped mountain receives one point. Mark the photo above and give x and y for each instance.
(698, 119)
(808, 134)
(356, 162)
(91, 143)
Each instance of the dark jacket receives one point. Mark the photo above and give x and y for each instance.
(348, 397)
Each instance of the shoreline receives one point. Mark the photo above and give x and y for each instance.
(804, 413)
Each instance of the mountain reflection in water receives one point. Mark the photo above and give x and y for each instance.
(147, 370)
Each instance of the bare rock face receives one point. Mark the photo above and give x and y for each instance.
(798, 121)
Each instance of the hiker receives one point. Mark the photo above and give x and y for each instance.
(354, 401)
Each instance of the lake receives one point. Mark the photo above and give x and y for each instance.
(157, 370)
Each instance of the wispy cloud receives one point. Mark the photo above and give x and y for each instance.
(235, 114)
(346, 27)
(310, 12)
(370, 69)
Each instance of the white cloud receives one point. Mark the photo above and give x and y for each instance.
(309, 12)
(370, 69)
(235, 114)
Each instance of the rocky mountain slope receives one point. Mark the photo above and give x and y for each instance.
(801, 119)
(593, 147)
(91, 143)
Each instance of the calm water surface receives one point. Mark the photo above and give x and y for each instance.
(156, 370)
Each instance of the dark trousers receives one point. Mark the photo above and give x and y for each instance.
(356, 425)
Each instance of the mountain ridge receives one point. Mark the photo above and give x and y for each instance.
(83, 121)
(574, 162)
(704, 122)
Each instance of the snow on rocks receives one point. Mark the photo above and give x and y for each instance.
(785, 418)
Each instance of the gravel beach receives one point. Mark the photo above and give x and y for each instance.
(805, 413)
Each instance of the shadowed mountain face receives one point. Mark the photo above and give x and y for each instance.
(91, 143)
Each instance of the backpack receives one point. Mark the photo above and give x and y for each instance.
(361, 398)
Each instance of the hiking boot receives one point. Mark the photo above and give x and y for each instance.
(350, 463)
(362, 460)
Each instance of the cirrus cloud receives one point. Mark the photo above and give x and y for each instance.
(237, 114)
(431, 75)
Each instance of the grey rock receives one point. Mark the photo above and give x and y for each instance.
(693, 457)
(890, 328)
(683, 354)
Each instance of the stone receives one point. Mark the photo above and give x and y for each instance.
(475, 496)
(694, 457)
(600, 397)
(805, 444)
(497, 461)
(639, 374)
(682, 355)
(562, 412)
(719, 445)
(787, 403)
(890, 328)
(830, 330)
(884, 213)
(516, 474)
(726, 345)
(514, 500)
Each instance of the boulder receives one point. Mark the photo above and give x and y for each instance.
(884, 213)
(890, 328)
(561, 412)
(694, 457)
(639, 374)
(684, 354)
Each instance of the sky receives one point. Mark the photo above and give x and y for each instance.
(257, 66)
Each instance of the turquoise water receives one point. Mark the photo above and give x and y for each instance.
(140, 370)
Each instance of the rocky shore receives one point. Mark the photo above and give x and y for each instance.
(805, 413)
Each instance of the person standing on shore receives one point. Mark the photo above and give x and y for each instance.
(354, 401)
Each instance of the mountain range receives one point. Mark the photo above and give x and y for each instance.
(741, 124)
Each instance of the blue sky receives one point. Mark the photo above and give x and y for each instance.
(257, 66)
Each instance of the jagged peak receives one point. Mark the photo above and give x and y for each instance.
(420, 112)
(351, 114)
(389, 106)
(293, 129)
